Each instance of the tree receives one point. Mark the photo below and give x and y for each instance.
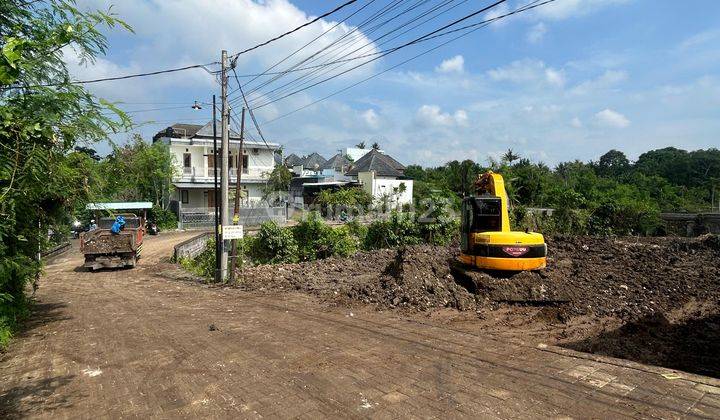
(375, 146)
(278, 181)
(139, 171)
(613, 164)
(40, 182)
(510, 156)
(360, 145)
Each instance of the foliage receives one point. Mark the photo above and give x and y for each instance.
(165, 219)
(278, 181)
(399, 229)
(337, 242)
(42, 178)
(139, 171)
(610, 196)
(273, 244)
(345, 198)
(310, 234)
(203, 264)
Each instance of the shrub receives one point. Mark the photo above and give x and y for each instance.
(273, 244)
(338, 242)
(398, 229)
(357, 229)
(309, 234)
(165, 219)
(202, 265)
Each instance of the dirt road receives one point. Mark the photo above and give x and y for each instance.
(134, 343)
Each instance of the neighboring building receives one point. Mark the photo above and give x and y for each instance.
(192, 147)
(313, 162)
(355, 153)
(338, 163)
(383, 177)
(293, 160)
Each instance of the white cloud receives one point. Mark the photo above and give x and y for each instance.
(528, 71)
(431, 115)
(536, 33)
(554, 77)
(606, 80)
(575, 122)
(565, 9)
(452, 65)
(371, 118)
(497, 11)
(610, 118)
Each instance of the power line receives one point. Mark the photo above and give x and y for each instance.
(324, 15)
(474, 28)
(407, 44)
(108, 79)
(332, 28)
(331, 52)
(433, 10)
(338, 41)
(250, 111)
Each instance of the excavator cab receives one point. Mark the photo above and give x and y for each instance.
(487, 241)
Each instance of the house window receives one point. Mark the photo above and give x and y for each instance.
(255, 151)
(187, 163)
(184, 196)
(245, 164)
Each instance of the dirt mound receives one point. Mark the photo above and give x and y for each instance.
(416, 278)
(632, 278)
(627, 278)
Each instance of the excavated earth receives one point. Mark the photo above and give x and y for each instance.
(652, 300)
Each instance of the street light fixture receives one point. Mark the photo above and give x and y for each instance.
(196, 105)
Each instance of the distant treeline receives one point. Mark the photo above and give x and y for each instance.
(608, 196)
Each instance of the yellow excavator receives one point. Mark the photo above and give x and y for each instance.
(487, 241)
(495, 262)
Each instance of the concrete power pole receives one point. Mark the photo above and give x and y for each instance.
(224, 167)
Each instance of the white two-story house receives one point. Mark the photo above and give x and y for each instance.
(192, 148)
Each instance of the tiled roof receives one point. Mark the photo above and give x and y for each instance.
(337, 162)
(314, 159)
(293, 159)
(380, 163)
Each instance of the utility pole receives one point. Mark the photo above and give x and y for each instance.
(224, 175)
(216, 195)
(238, 192)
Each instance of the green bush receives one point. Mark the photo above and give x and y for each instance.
(338, 242)
(202, 265)
(309, 235)
(165, 219)
(347, 197)
(273, 244)
(399, 229)
(357, 229)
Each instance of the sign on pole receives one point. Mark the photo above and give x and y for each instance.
(233, 232)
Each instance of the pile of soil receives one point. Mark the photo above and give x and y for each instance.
(415, 278)
(651, 300)
(627, 278)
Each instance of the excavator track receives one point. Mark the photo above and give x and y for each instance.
(527, 287)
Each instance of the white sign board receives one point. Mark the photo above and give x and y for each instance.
(232, 232)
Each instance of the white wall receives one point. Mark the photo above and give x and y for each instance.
(379, 186)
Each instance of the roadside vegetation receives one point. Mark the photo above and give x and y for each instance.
(43, 119)
(313, 239)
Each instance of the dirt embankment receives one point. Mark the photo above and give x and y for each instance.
(626, 278)
(652, 300)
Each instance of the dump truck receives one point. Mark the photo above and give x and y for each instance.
(103, 248)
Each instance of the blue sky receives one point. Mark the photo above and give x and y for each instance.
(569, 80)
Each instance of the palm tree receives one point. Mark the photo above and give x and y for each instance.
(510, 156)
(360, 145)
(376, 146)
